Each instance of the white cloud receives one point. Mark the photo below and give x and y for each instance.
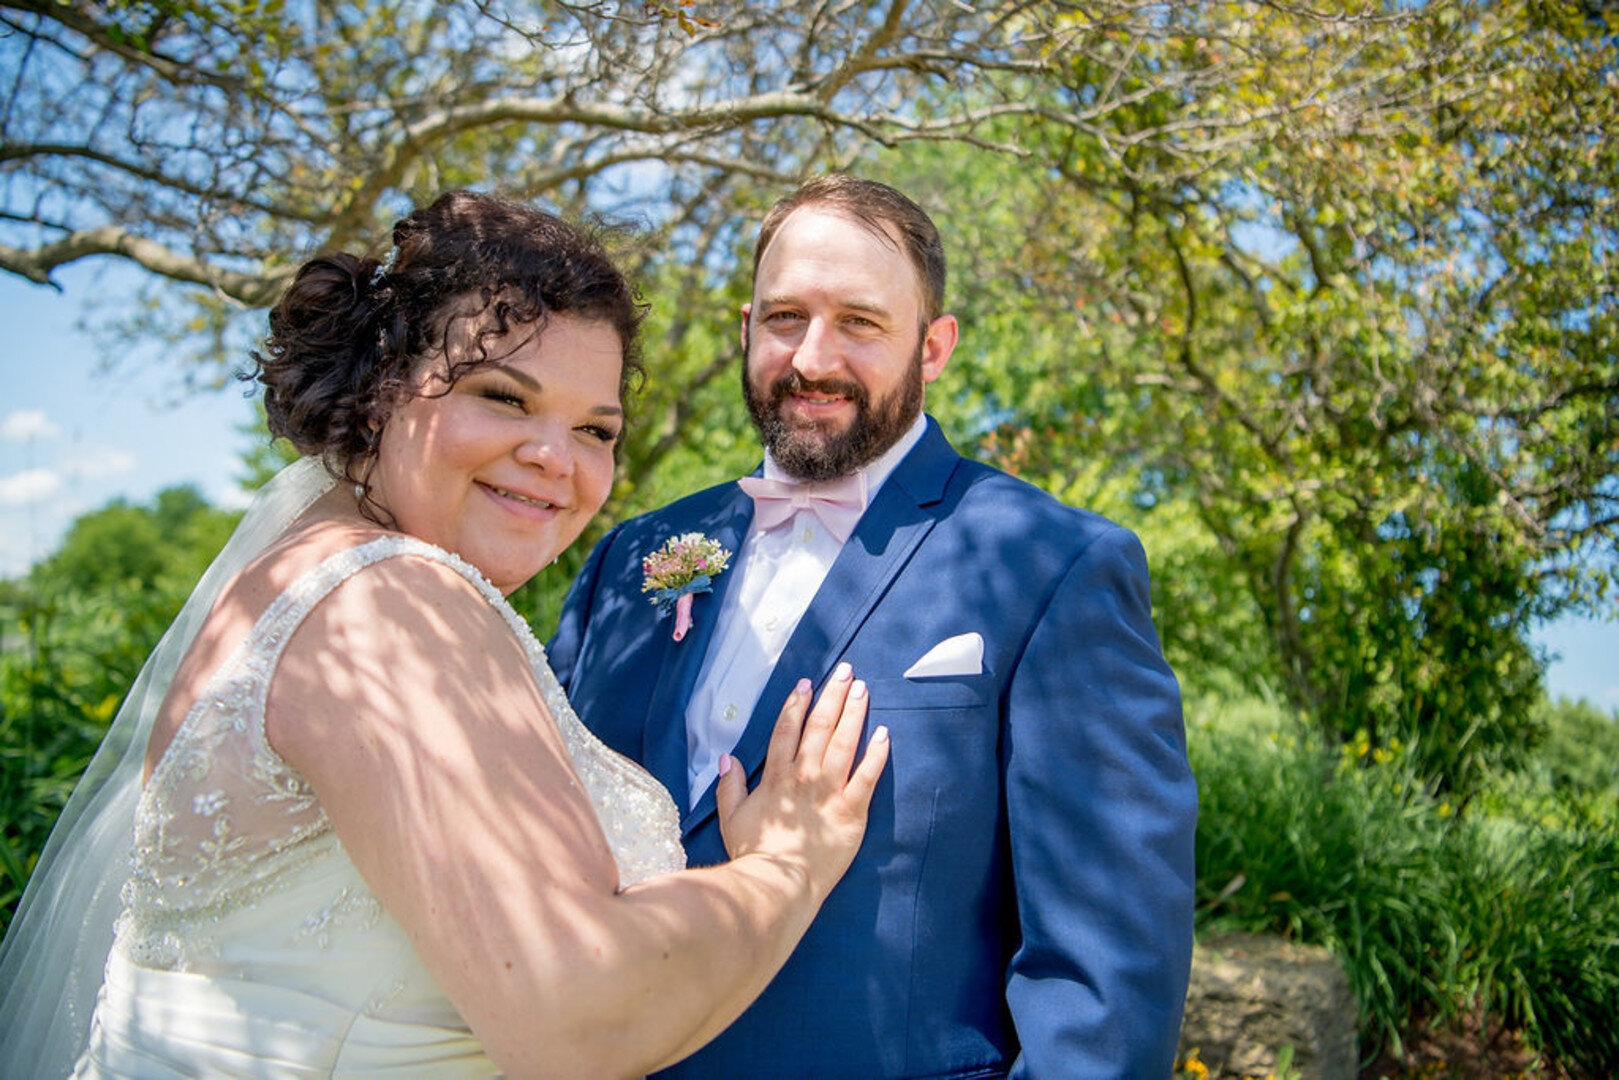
(25, 424)
(99, 462)
(28, 487)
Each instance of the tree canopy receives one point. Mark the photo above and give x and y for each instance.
(212, 142)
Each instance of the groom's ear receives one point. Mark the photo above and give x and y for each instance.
(747, 312)
(938, 342)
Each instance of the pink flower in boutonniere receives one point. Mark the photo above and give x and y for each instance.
(685, 566)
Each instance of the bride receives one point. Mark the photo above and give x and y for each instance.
(346, 822)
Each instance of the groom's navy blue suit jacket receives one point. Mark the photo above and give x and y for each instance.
(1022, 904)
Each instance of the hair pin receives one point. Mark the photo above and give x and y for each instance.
(385, 267)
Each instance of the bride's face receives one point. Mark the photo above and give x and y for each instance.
(508, 467)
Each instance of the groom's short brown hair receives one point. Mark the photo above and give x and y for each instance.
(878, 207)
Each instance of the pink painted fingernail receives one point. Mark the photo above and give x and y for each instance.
(803, 687)
(858, 690)
(880, 735)
(843, 671)
(725, 764)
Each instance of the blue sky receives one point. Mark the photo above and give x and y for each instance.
(74, 435)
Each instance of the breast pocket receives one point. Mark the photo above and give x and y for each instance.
(945, 735)
(940, 692)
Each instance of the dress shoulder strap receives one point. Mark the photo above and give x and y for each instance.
(287, 611)
(254, 664)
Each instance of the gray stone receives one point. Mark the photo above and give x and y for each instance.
(1251, 995)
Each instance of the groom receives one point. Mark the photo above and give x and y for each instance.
(1022, 905)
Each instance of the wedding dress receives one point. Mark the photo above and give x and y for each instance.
(248, 944)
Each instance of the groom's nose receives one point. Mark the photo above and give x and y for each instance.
(818, 354)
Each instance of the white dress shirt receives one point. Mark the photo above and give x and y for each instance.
(777, 575)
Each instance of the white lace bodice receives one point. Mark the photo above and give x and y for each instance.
(238, 875)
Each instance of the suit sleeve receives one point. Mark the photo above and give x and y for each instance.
(1101, 811)
(562, 651)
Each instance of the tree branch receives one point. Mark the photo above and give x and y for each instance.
(37, 265)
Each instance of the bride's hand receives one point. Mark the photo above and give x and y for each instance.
(811, 802)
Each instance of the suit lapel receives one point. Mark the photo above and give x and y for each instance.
(664, 747)
(888, 534)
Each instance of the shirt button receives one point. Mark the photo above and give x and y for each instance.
(730, 712)
(808, 534)
(772, 622)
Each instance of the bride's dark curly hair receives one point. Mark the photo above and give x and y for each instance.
(345, 338)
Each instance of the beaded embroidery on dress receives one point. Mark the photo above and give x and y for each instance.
(245, 926)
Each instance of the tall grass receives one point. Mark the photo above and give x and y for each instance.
(1540, 905)
(1433, 915)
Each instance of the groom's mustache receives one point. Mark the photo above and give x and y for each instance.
(794, 383)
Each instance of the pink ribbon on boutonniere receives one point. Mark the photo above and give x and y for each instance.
(685, 566)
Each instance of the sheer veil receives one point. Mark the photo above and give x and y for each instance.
(52, 960)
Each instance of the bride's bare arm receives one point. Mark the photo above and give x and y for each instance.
(405, 702)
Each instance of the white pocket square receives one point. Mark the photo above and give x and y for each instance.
(959, 655)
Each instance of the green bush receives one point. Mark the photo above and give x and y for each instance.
(69, 660)
(73, 635)
(1293, 840)
(1539, 910)
(1433, 915)
(1572, 776)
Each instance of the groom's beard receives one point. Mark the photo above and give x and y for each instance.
(814, 452)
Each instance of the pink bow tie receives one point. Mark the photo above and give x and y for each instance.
(838, 503)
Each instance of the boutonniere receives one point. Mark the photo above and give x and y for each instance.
(685, 566)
